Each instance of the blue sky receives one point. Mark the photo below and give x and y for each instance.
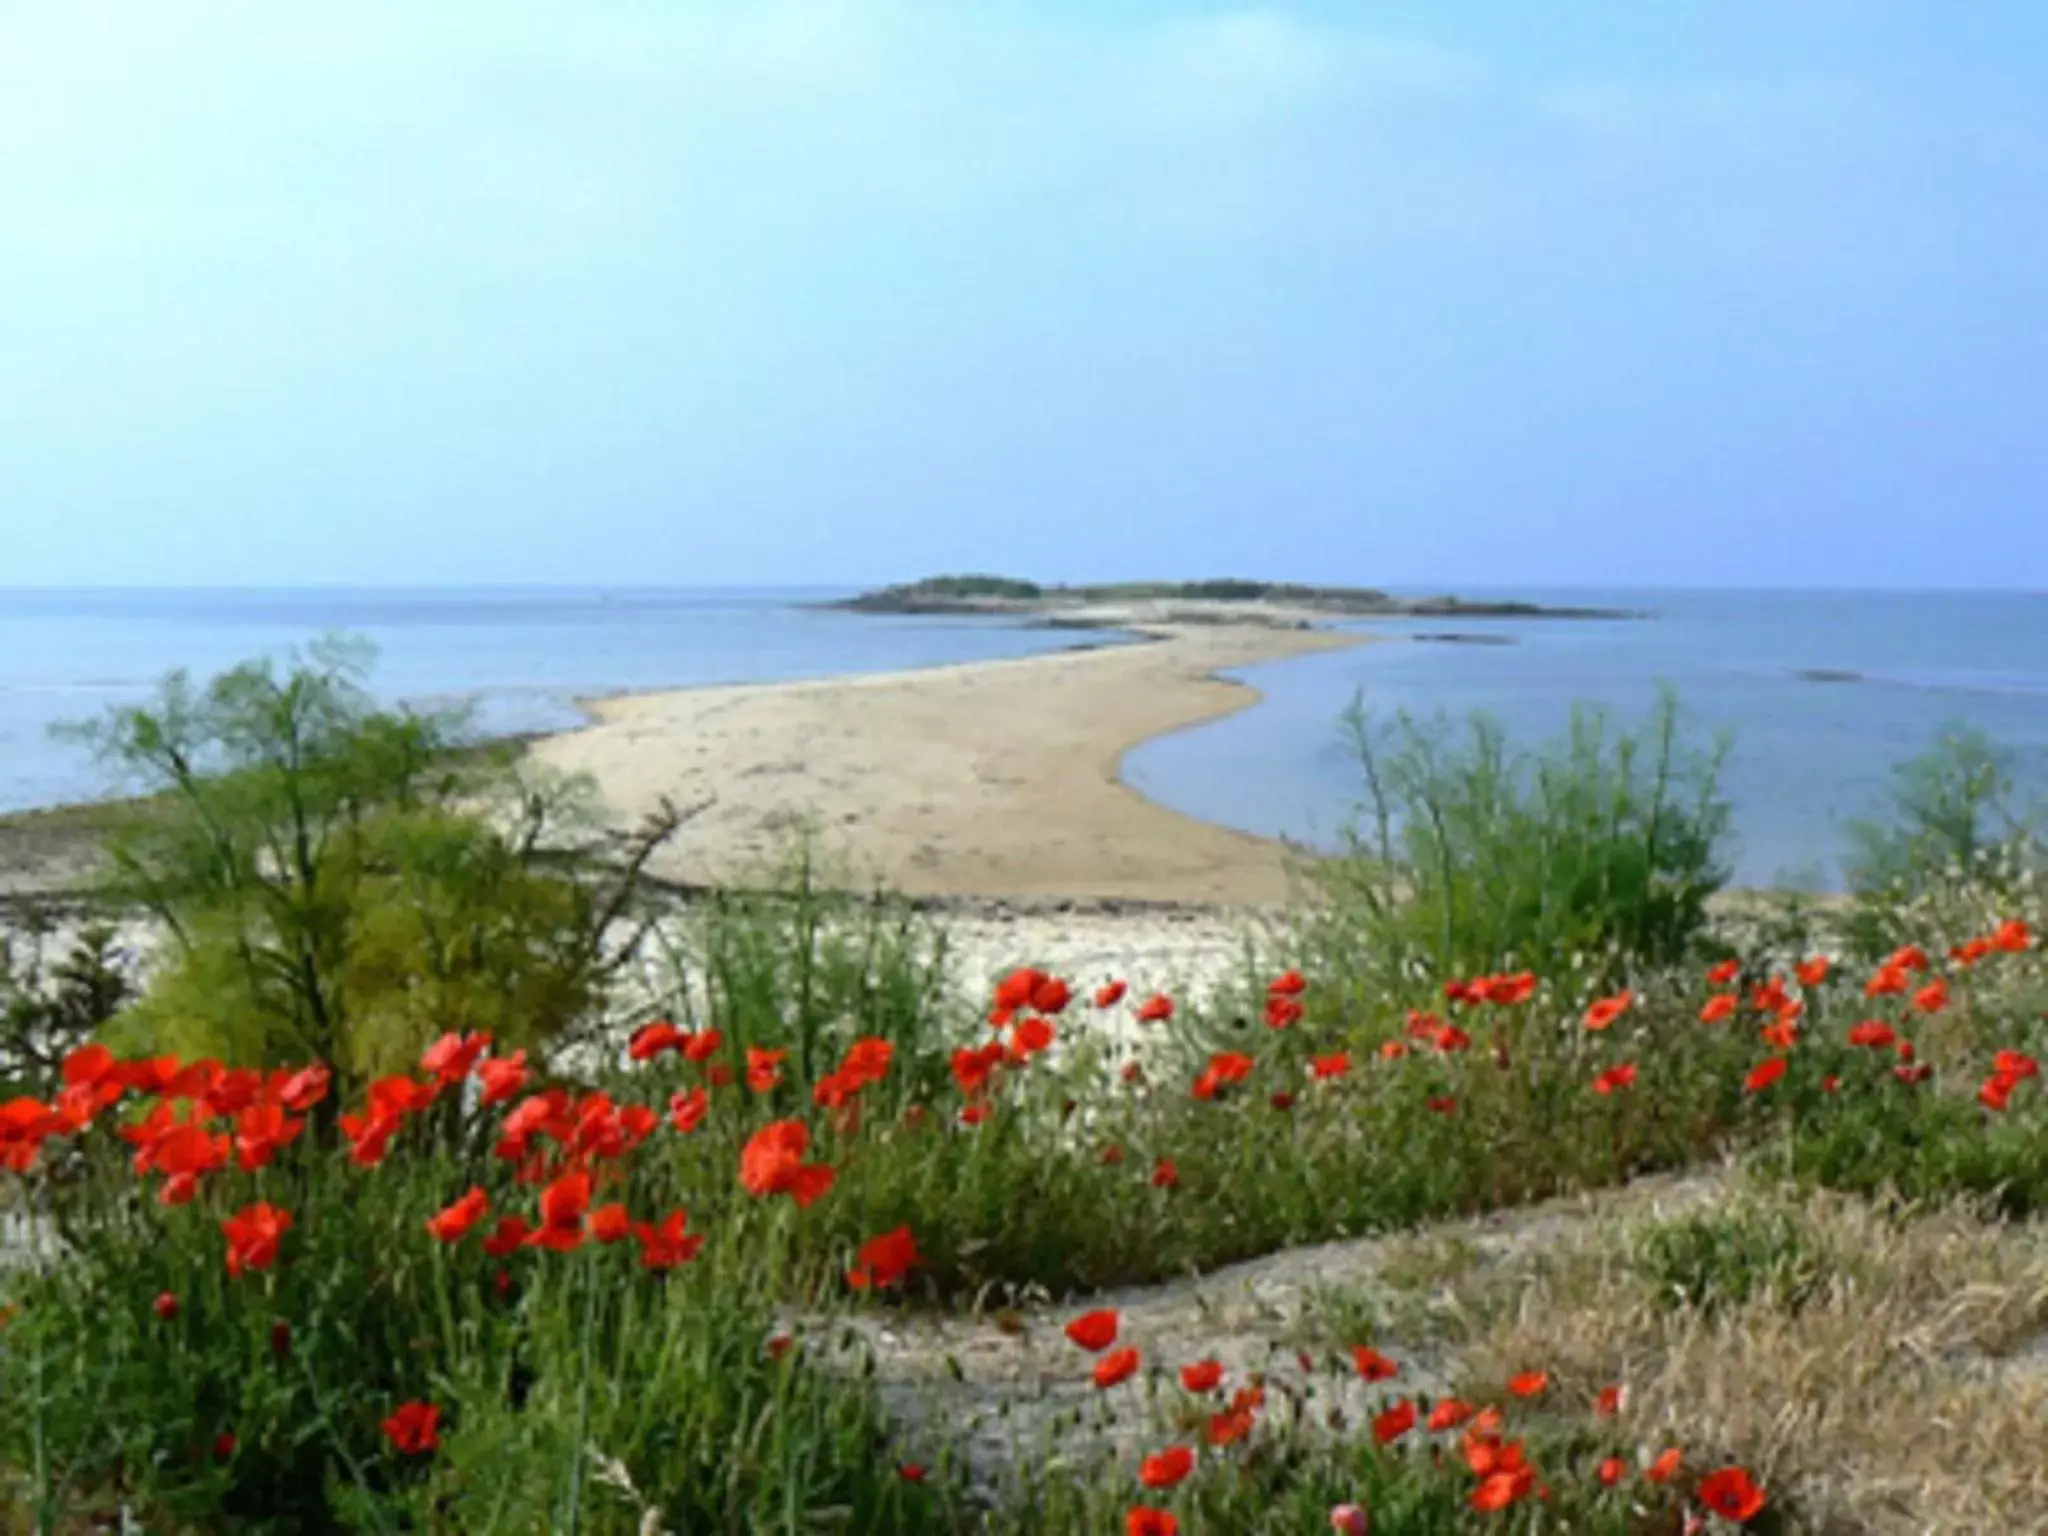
(1693, 291)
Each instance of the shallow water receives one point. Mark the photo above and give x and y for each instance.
(1807, 756)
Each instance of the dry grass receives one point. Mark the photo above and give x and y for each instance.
(1885, 1369)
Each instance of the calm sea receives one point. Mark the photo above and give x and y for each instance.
(1807, 756)
(522, 656)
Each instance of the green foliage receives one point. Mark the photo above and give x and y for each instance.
(792, 961)
(342, 882)
(582, 1382)
(1954, 833)
(1599, 852)
(975, 585)
(1948, 815)
(1725, 1258)
(48, 1008)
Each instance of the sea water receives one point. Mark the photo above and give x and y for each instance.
(522, 657)
(1822, 694)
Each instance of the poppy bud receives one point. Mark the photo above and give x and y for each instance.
(165, 1306)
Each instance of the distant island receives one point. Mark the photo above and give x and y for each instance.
(1221, 600)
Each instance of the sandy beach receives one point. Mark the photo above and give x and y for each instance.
(996, 779)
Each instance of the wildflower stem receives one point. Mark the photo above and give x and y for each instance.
(355, 1471)
(582, 1400)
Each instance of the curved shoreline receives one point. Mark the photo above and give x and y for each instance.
(981, 779)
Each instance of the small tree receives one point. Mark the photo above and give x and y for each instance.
(341, 882)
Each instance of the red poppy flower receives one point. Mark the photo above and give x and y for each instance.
(1933, 997)
(1170, 1467)
(1282, 1012)
(451, 1058)
(562, 1205)
(1874, 1034)
(1165, 1175)
(1611, 1471)
(507, 1237)
(1665, 1467)
(1288, 984)
(1604, 1012)
(1614, 1079)
(772, 1163)
(1116, 1367)
(701, 1045)
(885, 1260)
(1763, 1074)
(610, 1223)
(165, 1306)
(1718, 1007)
(1443, 1104)
(1996, 1093)
(1497, 1490)
(1156, 1009)
(1228, 1427)
(2012, 937)
(764, 1068)
(667, 1246)
(1730, 1494)
(414, 1428)
(1448, 1414)
(1029, 1036)
(975, 1114)
(1393, 1050)
(1724, 973)
(502, 1077)
(1014, 990)
(253, 1235)
(973, 1067)
(453, 1222)
(1142, 1521)
(911, 1472)
(1392, 1423)
(1094, 1331)
(1608, 1401)
(650, 1040)
(1336, 1065)
(1813, 972)
(686, 1111)
(1051, 996)
(1202, 1376)
(2015, 1064)
(1372, 1365)
(1110, 993)
(1529, 1384)
(867, 1060)
(1911, 1075)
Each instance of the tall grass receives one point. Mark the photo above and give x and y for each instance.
(1597, 853)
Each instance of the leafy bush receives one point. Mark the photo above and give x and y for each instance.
(343, 882)
(1599, 852)
(50, 1008)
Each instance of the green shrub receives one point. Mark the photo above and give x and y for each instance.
(1597, 854)
(49, 1008)
(341, 882)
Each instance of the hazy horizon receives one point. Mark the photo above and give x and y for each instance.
(840, 292)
